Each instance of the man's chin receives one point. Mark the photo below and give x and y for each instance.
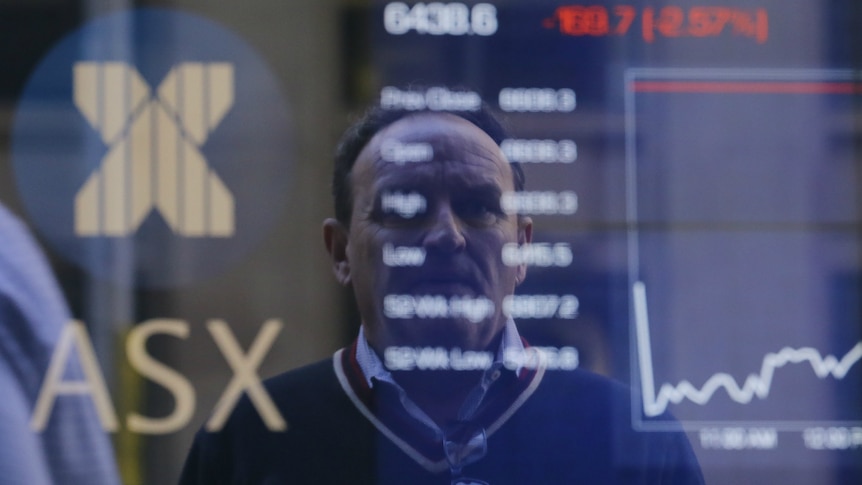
(449, 333)
(447, 289)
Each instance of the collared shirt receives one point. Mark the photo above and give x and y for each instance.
(472, 448)
(372, 366)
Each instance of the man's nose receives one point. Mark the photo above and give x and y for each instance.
(446, 231)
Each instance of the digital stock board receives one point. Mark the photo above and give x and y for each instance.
(693, 175)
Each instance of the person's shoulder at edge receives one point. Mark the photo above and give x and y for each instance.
(72, 448)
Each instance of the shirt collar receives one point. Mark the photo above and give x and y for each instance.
(372, 367)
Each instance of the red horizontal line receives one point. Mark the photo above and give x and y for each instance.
(746, 87)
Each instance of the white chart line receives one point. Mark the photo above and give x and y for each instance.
(755, 384)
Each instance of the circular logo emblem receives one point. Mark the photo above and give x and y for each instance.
(152, 148)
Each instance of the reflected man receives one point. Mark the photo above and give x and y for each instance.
(438, 387)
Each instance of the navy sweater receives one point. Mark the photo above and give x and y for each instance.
(573, 428)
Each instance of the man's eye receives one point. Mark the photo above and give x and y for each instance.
(476, 210)
(399, 206)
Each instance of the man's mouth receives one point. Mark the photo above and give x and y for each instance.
(445, 282)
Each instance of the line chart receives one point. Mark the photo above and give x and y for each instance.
(755, 385)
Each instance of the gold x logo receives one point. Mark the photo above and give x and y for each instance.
(154, 160)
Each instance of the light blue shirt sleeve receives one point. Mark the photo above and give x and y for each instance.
(73, 449)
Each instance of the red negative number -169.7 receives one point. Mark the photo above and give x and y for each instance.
(661, 22)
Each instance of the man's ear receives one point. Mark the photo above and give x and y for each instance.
(525, 236)
(335, 238)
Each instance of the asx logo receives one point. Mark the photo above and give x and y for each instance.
(148, 159)
(154, 162)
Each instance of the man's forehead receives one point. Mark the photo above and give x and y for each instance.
(430, 125)
(427, 143)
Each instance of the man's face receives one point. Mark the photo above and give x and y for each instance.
(430, 185)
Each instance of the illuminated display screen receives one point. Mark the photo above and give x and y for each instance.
(692, 175)
(702, 176)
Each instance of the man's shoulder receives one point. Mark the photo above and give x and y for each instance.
(320, 424)
(298, 393)
(315, 377)
(581, 385)
(590, 396)
(581, 413)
